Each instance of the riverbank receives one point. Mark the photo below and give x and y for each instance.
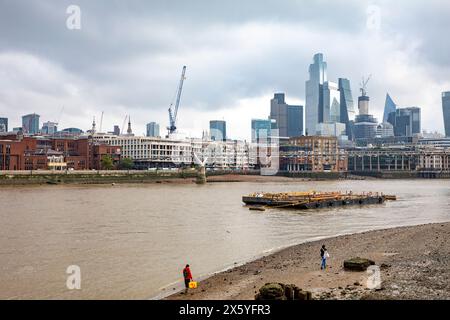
(187, 176)
(414, 264)
(126, 177)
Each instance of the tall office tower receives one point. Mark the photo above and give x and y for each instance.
(365, 126)
(30, 123)
(330, 103)
(317, 76)
(3, 124)
(446, 111)
(295, 121)
(153, 129)
(116, 130)
(218, 130)
(289, 118)
(49, 127)
(347, 106)
(363, 104)
(406, 121)
(262, 130)
(389, 106)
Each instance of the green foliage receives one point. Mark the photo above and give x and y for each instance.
(126, 164)
(107, 163)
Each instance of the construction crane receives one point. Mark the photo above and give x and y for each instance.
(363, 85)
(123, 124)
(173, 110)
(101, 122)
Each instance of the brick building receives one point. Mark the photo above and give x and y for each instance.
(42, 153)
(312, 153)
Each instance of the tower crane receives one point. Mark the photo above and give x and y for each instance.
(363, 85)
(173, 110)
(123, 124)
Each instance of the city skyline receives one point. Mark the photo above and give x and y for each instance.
(86, 73)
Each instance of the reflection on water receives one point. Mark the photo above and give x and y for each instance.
(132, 240)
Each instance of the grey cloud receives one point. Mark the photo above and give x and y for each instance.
(129, 54)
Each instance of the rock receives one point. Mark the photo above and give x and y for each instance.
(281, 291)
(385, 266)
(356, 283)
(271, 291)
(357, 264)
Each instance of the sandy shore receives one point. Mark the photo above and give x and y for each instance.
(414, 264)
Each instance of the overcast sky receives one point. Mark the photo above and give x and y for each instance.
(128, 55)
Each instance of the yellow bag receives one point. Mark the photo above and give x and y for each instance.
(193, 285)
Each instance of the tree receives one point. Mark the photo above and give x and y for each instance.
(126, 164)
(107, 163)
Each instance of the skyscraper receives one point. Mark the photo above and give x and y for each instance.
(389, 106)
(218, 130)
(446, 111)
(406, 121)
(295, 121)
(317, 76)
(262, 130)
(289, 118)
(3, 124)
(347, 105)
(116, 130)
(152, 129)
(49, 127)
(365, 126)
(30, 123)
(330, 104)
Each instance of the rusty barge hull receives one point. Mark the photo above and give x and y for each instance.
(313, 201)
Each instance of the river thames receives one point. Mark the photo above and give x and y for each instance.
(132, 241)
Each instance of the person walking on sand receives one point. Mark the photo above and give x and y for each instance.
(324, 255)
(187, 275)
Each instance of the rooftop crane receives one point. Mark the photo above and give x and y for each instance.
(123, 124)
(173, 110)
(363, 85)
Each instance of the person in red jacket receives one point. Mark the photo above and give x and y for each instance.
(187, 275)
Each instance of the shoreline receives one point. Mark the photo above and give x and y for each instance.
(184, 177)
(414, 264)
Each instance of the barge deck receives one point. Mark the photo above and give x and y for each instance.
(313, 199)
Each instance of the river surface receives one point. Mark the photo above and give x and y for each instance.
(132, 241)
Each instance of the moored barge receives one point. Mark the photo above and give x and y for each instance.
(313, 199)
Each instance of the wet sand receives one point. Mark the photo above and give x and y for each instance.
(414, 264)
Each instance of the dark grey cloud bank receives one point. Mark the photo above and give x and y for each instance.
(127, 56)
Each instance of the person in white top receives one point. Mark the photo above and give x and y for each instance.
(324, 255)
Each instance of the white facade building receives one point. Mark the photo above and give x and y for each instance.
(148, 152)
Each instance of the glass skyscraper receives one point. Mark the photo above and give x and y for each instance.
(289, 118)
(218, 130)
(446, 112)
(330, 103)
(152, 129)
(406, 121)
(49, 127)
(347, 106)
(389, 106)
(30, 123)
(262, 129)
(3, 124)
(317, 77)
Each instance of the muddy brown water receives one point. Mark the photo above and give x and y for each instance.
(132, 241)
